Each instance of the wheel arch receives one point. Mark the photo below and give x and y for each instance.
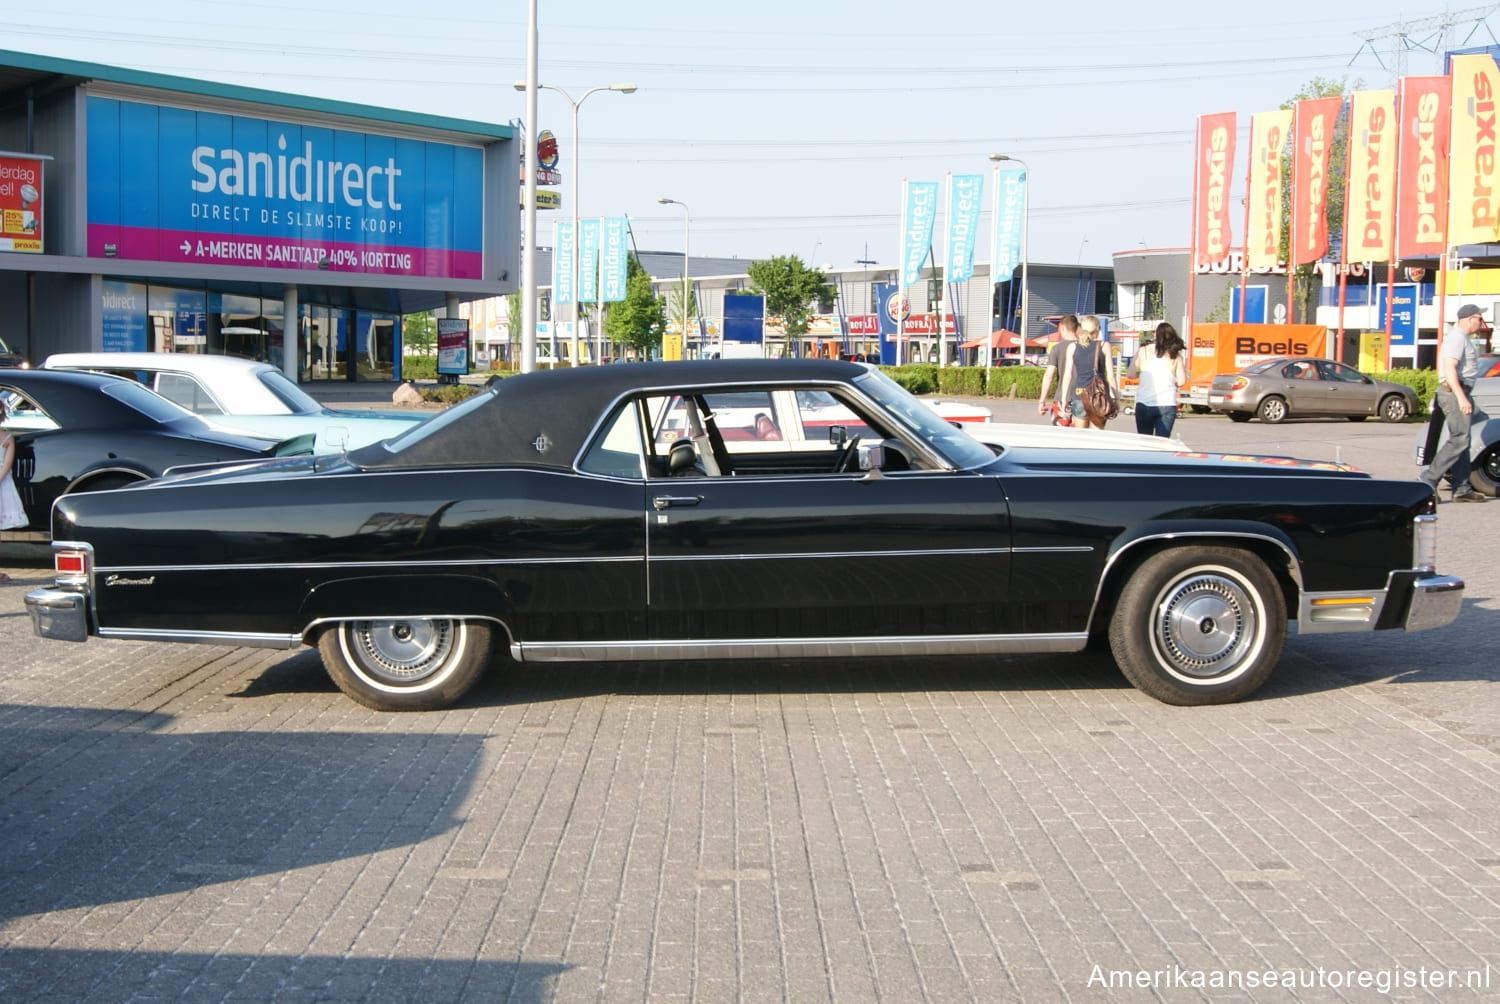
(1273, 548)
(97, 474)
(391, 596)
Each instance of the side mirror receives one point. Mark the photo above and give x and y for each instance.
(872, 457)
(837, 435)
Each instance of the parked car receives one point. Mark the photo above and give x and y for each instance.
(9, 358)
(646, 512)
(1304, 386)
(79, 432)
(244, 395)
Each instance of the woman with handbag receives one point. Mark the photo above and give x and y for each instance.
(1162, 368)
(1090, 379)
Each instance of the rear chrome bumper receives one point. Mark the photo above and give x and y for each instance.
(58, 613)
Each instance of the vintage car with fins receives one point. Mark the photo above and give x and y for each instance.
(742, 509)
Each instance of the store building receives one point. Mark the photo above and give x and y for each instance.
(150, 212)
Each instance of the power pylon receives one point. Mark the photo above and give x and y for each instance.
(1430, 34)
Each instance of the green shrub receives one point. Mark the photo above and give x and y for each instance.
(966, 381)
(419, 367)
(448, 393)
(919, 378)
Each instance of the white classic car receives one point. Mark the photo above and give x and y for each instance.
(244, 396)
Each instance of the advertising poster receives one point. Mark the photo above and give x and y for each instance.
(613, 262)
(1213, 162)
(1009, 219)
(1312, 144)
(1422, 167)
(965, 193)
(20, 203)
(205, 188)
(1268, 132)
(124, 316)
(1369, 205)
(1474, 170)
(453, 346)
(918, 214)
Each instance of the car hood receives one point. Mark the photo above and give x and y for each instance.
(1175, 462)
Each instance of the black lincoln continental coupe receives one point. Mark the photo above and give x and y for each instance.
(742, 509)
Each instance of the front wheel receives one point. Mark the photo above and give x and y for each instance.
(405, 664)
(1394, 409)
(1272, 410)
(1199, 625)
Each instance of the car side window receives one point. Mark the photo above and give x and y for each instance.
(616, 451)
(1340, 372)
(183, 390)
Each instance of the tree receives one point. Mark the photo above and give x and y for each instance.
(513, 318)
(638, 320)
(420, 331)
(674, 307)
(1333, 206)
(790, 289)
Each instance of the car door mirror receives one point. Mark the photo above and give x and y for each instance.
(838, 434)
(872, 457)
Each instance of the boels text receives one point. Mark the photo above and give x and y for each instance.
(1250, 347)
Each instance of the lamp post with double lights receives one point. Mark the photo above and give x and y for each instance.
(577, 158)
(1025, 235)
(686, 288)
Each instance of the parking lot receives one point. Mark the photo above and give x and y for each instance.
(217, 823)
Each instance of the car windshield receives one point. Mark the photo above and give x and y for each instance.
(922, 422)
(147, 402)
(297, 400)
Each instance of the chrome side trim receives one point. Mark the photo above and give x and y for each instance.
(243, 638)
(1071, 549)
(395, 565)
(784, 555)
(794, 648)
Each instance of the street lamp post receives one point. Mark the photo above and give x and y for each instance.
(1025, 237)
(686, 288)
(577, 159)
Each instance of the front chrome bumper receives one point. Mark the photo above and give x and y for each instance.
(59, 614)
(1435, 601)
(1412, 600)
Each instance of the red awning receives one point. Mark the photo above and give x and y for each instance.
(1002, 339)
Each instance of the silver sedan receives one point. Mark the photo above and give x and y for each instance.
(1307, 386)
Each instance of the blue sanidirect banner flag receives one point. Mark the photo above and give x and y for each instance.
(613, 260)
(588, 260)
(1010, 219)
(917, 218)
(965, 193)
(562, 265)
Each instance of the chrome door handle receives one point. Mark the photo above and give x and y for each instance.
(667, 501)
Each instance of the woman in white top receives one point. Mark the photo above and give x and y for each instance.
(12, 513)
(1162, 368)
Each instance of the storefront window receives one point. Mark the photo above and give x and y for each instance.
(325, 343)
(376, 345)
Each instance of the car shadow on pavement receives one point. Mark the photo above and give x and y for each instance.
(60, 974)
(106, 805)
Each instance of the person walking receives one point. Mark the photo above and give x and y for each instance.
(1086, 359)
(1161, 368)
(12, 512)
(1053, 398)
(1458, 366)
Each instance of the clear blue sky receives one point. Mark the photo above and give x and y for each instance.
(785, 126)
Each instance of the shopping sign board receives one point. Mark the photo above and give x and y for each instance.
(206, 188)
(453, 346)
(20, 202)
(1403, 307)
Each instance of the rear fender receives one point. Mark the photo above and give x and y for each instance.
(404, 595)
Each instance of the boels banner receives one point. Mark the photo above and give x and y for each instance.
(205, 188)
(20, 202)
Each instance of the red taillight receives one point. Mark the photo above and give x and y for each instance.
(70, 562)
(1240, 383)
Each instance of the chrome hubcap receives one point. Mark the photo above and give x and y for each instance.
(1205, 626)
(401, 651)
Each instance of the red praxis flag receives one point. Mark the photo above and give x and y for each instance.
(1213, 160)
(1369, 205)
(1312, 141)
(1422, 168)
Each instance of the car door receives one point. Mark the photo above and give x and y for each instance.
(1349, 392)
(1306, 391)
(801, 551)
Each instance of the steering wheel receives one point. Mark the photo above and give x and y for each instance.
(846, 460)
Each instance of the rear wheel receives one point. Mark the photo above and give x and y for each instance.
(1272, 410)
(1199, 625)
(1393, 408)
(405, 664)
(1484, 477)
